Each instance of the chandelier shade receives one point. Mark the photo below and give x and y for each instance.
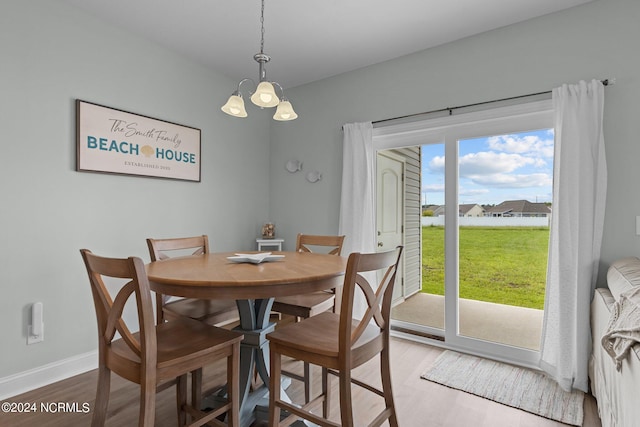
(265, 95)
(235, 106)
(284, 111)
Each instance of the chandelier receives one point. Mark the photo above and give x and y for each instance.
(265, 93)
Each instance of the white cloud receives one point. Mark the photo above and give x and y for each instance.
(435, 188)
(473, 192)
(436, 164)
(528, 144)
(516, 162)
(501, 180)
(511, 167)
(489, 162)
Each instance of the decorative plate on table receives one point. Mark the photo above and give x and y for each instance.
(255, 258)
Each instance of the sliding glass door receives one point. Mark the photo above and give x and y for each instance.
(485, 228)
(500, 186)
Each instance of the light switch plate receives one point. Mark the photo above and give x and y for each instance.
(33, 339)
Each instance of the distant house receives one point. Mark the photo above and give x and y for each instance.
(470, 210)
(518, 208)
(438, 210)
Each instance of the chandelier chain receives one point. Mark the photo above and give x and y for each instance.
(262, 28)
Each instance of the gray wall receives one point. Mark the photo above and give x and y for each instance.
(596, 40)
(51, 55)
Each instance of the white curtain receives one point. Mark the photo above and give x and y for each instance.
(579, 193)
(357, 203)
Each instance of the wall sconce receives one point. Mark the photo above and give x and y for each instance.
(314, 176)
(294, 166)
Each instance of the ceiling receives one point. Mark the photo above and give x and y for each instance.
(309, 40)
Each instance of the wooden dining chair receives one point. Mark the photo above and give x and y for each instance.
(158, 356)
(213, 312)
(339, 343)
(307, 305)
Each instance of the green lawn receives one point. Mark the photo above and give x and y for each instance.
(505, 265)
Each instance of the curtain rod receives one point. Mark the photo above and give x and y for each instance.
(605, 82)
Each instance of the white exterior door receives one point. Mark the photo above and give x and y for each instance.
(389, 212)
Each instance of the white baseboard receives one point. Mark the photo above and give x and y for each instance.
(41, 376)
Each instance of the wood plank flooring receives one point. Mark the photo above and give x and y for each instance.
(419, 402)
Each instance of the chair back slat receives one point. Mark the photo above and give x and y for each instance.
(374, 308)
(109, 311)
(158, 248)
(114, 319)
(306, 243)
(380, 268)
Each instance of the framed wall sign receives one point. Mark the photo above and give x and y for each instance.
(116, 141)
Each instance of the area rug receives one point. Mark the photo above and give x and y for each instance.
(510, 385)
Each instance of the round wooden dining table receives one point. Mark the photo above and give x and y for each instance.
(254, 287)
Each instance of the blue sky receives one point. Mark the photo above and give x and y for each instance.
(494, 169)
